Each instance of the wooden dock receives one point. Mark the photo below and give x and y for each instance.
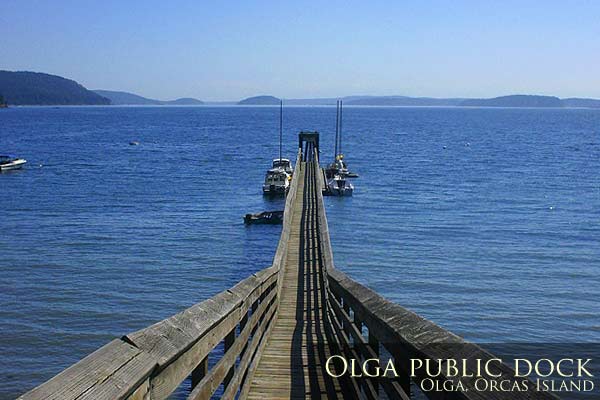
(272, 335)
(292, 365)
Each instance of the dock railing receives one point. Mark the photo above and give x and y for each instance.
(152, 363)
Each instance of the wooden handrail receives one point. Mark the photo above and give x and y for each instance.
(154, 361)
(404, 335)
(282, 246)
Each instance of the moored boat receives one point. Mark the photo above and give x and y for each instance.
(339, 165)
(277, 182)
(338, 186)
(337, 173)
(278, 177)
(265, 217)
(8, 163)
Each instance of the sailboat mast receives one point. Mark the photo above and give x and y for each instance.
(340, 146)
(280, 127)
(337, 127)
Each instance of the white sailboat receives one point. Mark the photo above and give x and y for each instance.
(337, 173)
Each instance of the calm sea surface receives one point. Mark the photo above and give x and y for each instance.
(485, 221)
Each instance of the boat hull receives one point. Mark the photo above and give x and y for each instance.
(338, 187)
(274, 190)
(16, 164)
(346, 192)
(264, 218)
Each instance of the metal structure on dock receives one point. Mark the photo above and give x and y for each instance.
(275, 330)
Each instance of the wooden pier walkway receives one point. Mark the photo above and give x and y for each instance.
(292, 364)
(272, 335)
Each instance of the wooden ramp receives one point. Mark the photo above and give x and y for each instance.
(292, 364)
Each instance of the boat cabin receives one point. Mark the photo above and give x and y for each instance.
(283, 163)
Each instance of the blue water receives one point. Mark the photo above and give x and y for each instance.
(485, 221)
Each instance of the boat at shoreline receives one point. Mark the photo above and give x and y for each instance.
(8, 163)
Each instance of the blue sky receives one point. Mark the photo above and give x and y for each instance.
(227, 50)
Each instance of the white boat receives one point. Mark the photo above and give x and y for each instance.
(277, 182)
(8, 163)
(338, 186)
(277, 179)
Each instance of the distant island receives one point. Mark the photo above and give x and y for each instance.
(402, 101)
(518, 100)
(22, 88)
(124, 98)
(260, 101)
(35, 88)
(581, 103)
(184, 101)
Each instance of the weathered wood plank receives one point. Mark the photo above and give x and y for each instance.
(292, 363)
(249, 354)
(112, 372)
(207, 386)
(168, 378)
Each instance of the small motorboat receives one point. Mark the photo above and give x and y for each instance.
(338, 186)
(8, 163)
(265, 217)
(134, 143)
(277, 182)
